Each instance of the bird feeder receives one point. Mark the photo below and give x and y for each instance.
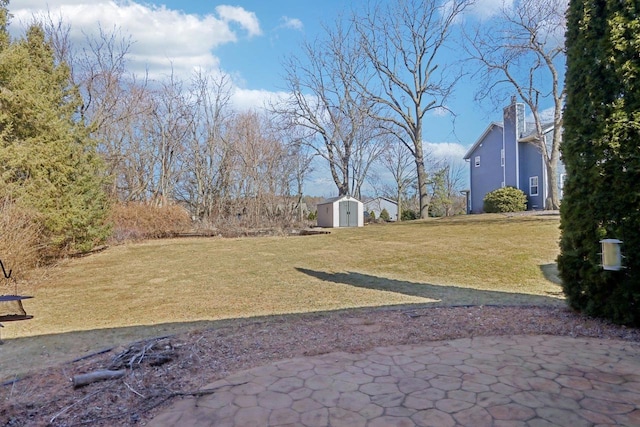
(11, 305)
(611, 254)
(11, 308)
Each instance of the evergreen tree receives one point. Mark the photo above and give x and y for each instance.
(48, 163)
(601, 151)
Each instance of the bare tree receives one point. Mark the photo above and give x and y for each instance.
(399, 162)
(446, 183)
(115, 104)
(404, 42)
(301, 156)
(522, 50)
(206, 162)
(326, 102)
(263, 171)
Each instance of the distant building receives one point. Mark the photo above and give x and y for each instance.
(379, 203)
(343, 211)
(506, 154)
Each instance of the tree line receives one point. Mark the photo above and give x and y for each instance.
(79, 131)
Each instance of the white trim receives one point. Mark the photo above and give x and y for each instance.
(531, 186)
(545, 181)
(517, 154)
(481, 139)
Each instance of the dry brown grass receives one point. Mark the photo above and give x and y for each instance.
(475, 260)
(136, 221)
(20, 241)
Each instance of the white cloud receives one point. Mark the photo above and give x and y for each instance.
(291, 23)
(163, 39)
(440, 112)
(546, 115)
(485, 9)
(250, 99)
(446, 151)
(247, 20)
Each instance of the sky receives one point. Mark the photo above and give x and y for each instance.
(247, 40)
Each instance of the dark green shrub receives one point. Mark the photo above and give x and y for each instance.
(384, 215)
(372, 216)
(313, 215)
(506, 199)
(600, 153)
(408, 215)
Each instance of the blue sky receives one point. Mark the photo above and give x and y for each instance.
(246, 39)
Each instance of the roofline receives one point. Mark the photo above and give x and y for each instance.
(383, 198)
(482, 137)
(546, 127)
(335, 199)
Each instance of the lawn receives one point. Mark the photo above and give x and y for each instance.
(465, 260)
(480, 259)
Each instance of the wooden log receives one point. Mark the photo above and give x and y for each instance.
(92, 377)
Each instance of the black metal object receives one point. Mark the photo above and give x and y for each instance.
(6, 276)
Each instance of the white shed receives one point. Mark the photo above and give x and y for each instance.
(343, 211)
(379, 203)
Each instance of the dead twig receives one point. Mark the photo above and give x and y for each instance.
(77, 402)
(131, 388)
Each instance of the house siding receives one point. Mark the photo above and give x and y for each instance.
(379, 203)
(488, 176)
(531, 164)
(522, 160)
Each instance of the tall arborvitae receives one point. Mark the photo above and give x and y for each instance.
(601, 151)
(48, 163)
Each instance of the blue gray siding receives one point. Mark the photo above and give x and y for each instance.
(522, 161)
(531, 165)
(489, 175)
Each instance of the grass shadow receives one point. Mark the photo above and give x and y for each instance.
(441, 295)
(25, 355)
(551, 273)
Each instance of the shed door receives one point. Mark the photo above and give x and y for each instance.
(348, 213)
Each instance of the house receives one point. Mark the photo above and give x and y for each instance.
(379, 203)
(343, 211)
(507, 154)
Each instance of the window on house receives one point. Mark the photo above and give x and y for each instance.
(477, 162)
(502, 157)
(533, 186)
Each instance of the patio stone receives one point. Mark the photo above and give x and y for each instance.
(523, 381)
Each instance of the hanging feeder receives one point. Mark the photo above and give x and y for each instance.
(611, 254)
(11, 308)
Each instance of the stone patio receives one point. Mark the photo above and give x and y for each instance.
(487, 381)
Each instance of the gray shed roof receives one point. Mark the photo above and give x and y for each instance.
(335, 199)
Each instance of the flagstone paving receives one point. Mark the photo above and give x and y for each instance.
(485, 381)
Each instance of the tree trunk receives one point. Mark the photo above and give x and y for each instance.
(399, 202)
(423, 189)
